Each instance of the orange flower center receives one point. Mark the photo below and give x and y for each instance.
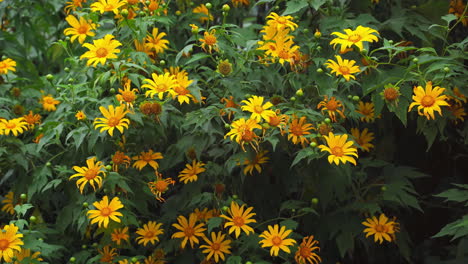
(101, 52)
(238, 221)
(161, 186)
(304, 252)
(380, 228)
(106, 211)
(181, 90)
(215, 246)
(128, 96)
(354, 38)
(274, 121)
(118, 158)
(281, 20)
(91, 173)
(283, 54)
(427, 101)
(337, 151)
(146, 157)
(332, 105)
(48, 100)
(162, 87)
(296, 130)
(113, 121)
(366, 111)
(109, 7)
(82, 29)
(230, 103)
(390, 94)
(149, 234)
(10, 125)
(3, 65)
(189, 231)
(4, 244)
(210, 39)
(258, 109)
(344, 70)
(276, 241)
(248, 135)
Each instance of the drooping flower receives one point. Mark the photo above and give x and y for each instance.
(80, 115)
(189, 231)
(7, 65)
(216, 247)
(26, 255)
(147, 158)
(346, 68)
(297, 130)
(281, 22)
(190, 173)
(457, 110)
(79, 28)
(276, 238)
(101, 50)
(92, 174)
(8, 203)
(306, 251)
(367, 110)
(119, 234)
(16, 126)
(209, 41)
(107, 6)
(382, 228)
(156, 41)
(332, 106)
(256, 162)
(149, 233)
(239, 218)
(107, 254)
(363, 138)
(159, 85)
(127, 96)
(257, 108)
(119, 158)
(428, 100)
(159, 186)
(10, 242)
(48, 103)
(105, 211)
(242, 132)
(339, 148)
(354, 37)
(205, 15)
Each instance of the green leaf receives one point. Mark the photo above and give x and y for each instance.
(316, 4)
(22, 209)
(295, 6)
(289, 224)
(449, 18)
(234, 260)
(197, 57)
(214, 222)
(304, 153)
(455, 195)
(345, 242)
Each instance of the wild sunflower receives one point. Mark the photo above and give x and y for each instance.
(149, 233)
(228, 103)
(189, 231)
(305, 252)
(128, 95)
(105, 211)
(80, 115)
(381, 228)
(205, 15)
(79, 28)
(216, 247)
(367, 110)
(276, 238)
(159, 186)
(73, 4)
(391, 93)
(119, 158)
(190, 173)
(156, 41)
(339, 148)
(159, 85)
(107, 6)
(242, 132)
(239, 218)
(101, 50)
(363, 138)
(7, 65)
(458, 112)
(140, 46)
(458, 8)
(10, 242)
(428, 100)
(26, 255)
(113, 118)
(283, 49)
(278, 120)
(107, 254)
(16, 126)
(9, 203)
(257, 108)
(48, 103)
(90, 174)
(346, 68)
(354, 37)
(147, 158)
(205, 214)
(180, 91)
(281, 22)
(297, 129)
(256, 162)
(332, 106)
(238, 3)
(119, 234)
(209, 41)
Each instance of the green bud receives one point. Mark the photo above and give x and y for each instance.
(32, 219)
(124, 12)
(249, 262)
(364, 51)
(134, 259)
(148, 3)
(71, 80)
(383, 188)
(85, 204)
(319, 48)
(112, 90)
(415, 60)
(299, 92)
(306, 30)
(356, 98)
(226, 8)
(446, 69)
(276, 7)
(319, 70)
(162, 62)
(23, 196)
(293, 99)
(40, 129)
(66, 69)
(84, 246)
(390, 42)
(72, 259)
(327, 120)
(227, 126)
(48, 164)
(95, 244)
(225, 208)
(40, 239)
(293, 210)
(234, 196)
(178, 13)
(67, 38)
(313, 144)
(350, 96)
(315, 200)
(108, 167)
(49, 77)
(317, 34)
(209, 5)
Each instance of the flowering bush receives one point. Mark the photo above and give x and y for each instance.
(239, 131)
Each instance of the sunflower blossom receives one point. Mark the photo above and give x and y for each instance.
(147, 158)
(149, 233)
(354, 37)
(16, 126)
(101, 50)
(113, 118)
(256, 162)
(239, 218)
(159, 85)
(190, 173)
(428, 100)
(276, 238)
(339, 148)
(120, 234)
(156, 41)
(205, 15)
(209, 41)
(363, 138)
(306, 251)
(10, 242)
(8, 203)
(79, 28)
(105, 211)
(7, 65)
(160, 186)
(107, 254)
(216, 247)
(257, 108)
(92, 174)
(49, 103)
(382, 228)
(107, 6)
(242, 132)
(346, 68)
(189, 231)
(332, 106)
(297, 130)
(367, 110)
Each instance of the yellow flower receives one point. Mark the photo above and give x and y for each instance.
(80, 115)
(107, 6)
(281, 22)
(354, 37)
(119, 234)
(297, 129)
(339, 148)
(217, 247)
(120, 158)
(16, 126)
(237, 3)
(203, 11)
(275, 238)
(146, 158)
(101, 50)
(428, 100)
(32, 119)
(257, 108)
(140, 46)
(189, 230)
(10, 242)
(363, 138)
(48, 103)
(205, 214)
(149, 233)
(190, 173)
(9, 205)
(367, 110)
(127, 96)
(90, 174)
(333, 106)
(343, 67)
(156, 42)
(105, 211)
(159, 84)
(107, 254)
(242, 131)
(180, 90)
(458, 112)
(239, 219)
(209, 41)
(381, 228)
(7, 65)
(71, 6)
(458, 8)
(79, 29)
(159, 186)
(25, 255)
(305, 252)
(256, 162)
(113, 118)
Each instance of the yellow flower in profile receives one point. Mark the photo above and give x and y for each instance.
(92, 174)
(10, 242)
(256, 162)
(367, 110)
(113, 118)
(381, 228)
(428, 100)
(339, 148)
(332, 106)
(7, 65)
(203, 11)
(159, 85)
(257, 108)
(305, 252)
(105, 211)
(297, 129)
(149, 233)
(276, 238)
(48, 103)
(346, 68)
(147, 158)
(209, 41)
(73, 4)
(159, 186)
(239, 218)
(189, 231)
(190, 173)
(217, 246)
(119, 234)
(80, 115)
(118, 159)
(354, 37)
(107, 6)
(281, 22)
(363, 138)
(79, 28)
(127, 96)
(16, 126)
(9, 205)
(25, 255)
(156, 42)
(242, 132)
(107, 254)
(101, 50)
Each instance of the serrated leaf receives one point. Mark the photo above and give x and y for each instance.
(214, 222)
(295, 6)
(289, 224)
(22, 209)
